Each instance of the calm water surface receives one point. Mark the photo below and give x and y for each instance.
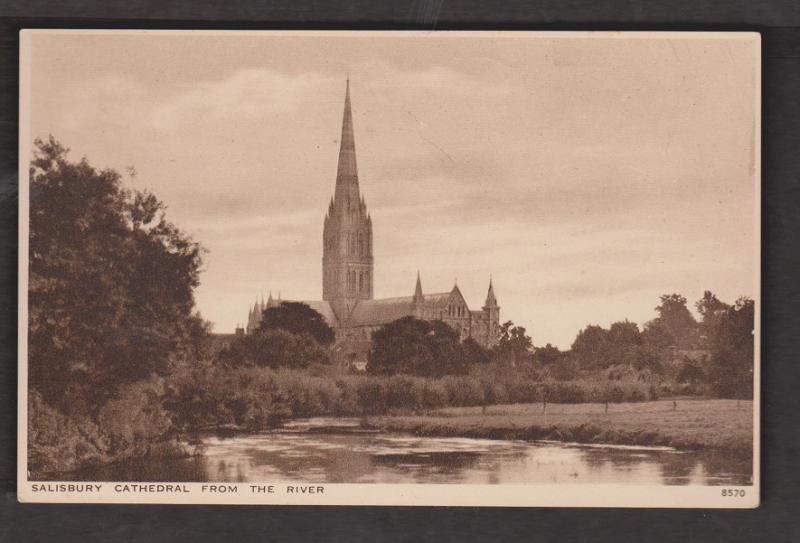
(300, 452)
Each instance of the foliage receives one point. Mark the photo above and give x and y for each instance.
(565, 369)
(274, 348)
(656, 335)
(690, 372)
(475, 353)
(590, 347)
(135, 424)
(677, 320)
(416, 347)
(514, 345)
(110, 283)
(57, 443)
(732, 351)
(547, 355)
(297, 318)
(257, 398)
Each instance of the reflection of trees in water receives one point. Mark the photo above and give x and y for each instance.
(222, 471)
(340, 459)
(725, 468)
(146, 470)
(617, 458)
(349, 464)
(676, 468)
(338, 465)
(707, 467)
(450, 465)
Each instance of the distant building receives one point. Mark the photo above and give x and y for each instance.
(347, 275)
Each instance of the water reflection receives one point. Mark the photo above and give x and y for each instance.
(303, 453)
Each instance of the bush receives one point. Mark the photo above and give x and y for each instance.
(404, 392)
(135, 419)
(57, 443)
(275, 348)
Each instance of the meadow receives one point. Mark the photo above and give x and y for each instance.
(687, 424)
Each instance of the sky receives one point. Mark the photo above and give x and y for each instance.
(587, 175)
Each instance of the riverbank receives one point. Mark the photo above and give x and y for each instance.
(686, 424)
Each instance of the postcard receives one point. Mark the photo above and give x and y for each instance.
(389, 268)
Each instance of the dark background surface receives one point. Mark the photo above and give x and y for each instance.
(776, 520)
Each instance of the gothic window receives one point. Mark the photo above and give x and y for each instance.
(361, 281)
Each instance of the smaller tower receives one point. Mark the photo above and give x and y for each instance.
(419, 298)
(249, 327)
(492, 312)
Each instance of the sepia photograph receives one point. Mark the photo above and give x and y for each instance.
(389, 268)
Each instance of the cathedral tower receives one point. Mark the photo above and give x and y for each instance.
(492, 312)
(347, 235)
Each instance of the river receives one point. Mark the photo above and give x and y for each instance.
(339, 451)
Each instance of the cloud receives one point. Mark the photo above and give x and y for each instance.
(246, 95)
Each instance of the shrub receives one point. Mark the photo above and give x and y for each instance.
(404, 392)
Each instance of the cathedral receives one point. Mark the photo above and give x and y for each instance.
(347, 275)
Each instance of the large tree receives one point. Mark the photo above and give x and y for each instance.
(416, 347)
(274, 348)
(514, 345)
(677, 320)
(732, 351)
(110, 282)
(591, 346)
(711, 310)
(547, 355)
(297, 318)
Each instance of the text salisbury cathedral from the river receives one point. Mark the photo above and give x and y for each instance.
(347, 301)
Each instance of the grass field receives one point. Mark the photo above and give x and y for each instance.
(691, 424)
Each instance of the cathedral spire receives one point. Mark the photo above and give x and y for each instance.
(491, 301)
(418, 296)
(347, 172)
(347, 269)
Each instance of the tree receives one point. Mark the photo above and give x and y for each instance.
(274, 348)
(591, 346)
(677, 320)
(732, 351)
(474, 352)
(690, 372)
(416, 347)
(711, 309)
(709, 306)
(656, 335)
(297, 318)
(624, 333)
(514, 345)
(547, 355)
(110, 283)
